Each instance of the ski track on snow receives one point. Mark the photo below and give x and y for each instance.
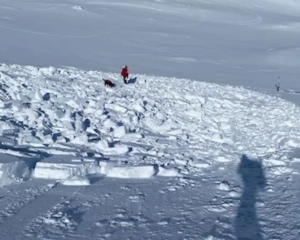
(28, 202)
(75, 217)
(17, 202)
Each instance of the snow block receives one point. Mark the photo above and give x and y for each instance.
(115, 107)
(131, 172)
(73, 171)
(138, 172)
(103, 147)
(77, 172)
(164, 172)
(119, 132)
(13, 170)
(62, 171)
(76, 181)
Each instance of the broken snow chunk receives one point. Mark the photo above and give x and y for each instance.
(116, 107)
(224, 185)
(119, 131)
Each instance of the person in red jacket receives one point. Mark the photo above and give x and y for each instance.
(125, 74)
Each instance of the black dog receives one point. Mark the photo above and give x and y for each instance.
(108, 83)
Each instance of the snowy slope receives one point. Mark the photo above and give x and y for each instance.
(162, 157)
(145, 122)
(87, 160)
(250, 42)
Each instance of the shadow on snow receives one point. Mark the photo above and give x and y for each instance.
(246, 222)
(132, 80)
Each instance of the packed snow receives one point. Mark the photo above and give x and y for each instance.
(198, 145)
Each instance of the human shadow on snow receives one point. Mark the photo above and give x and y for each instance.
(246, 222)
(132, 80)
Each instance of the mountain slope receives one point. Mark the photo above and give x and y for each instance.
(152, 120)
(174, 156)
(248, 43)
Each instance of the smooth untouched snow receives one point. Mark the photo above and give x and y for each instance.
(252, 43)
(162, 157)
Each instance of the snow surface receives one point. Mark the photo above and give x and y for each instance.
(161, 157)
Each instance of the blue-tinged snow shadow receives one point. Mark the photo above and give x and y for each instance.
(246, 223)
(132, 80)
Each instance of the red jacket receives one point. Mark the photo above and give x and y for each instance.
(124, 72)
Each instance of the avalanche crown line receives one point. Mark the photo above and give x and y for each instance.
(63, 123)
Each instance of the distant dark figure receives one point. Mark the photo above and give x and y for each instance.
(108, 83)
(125, 74)
(277, 87)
